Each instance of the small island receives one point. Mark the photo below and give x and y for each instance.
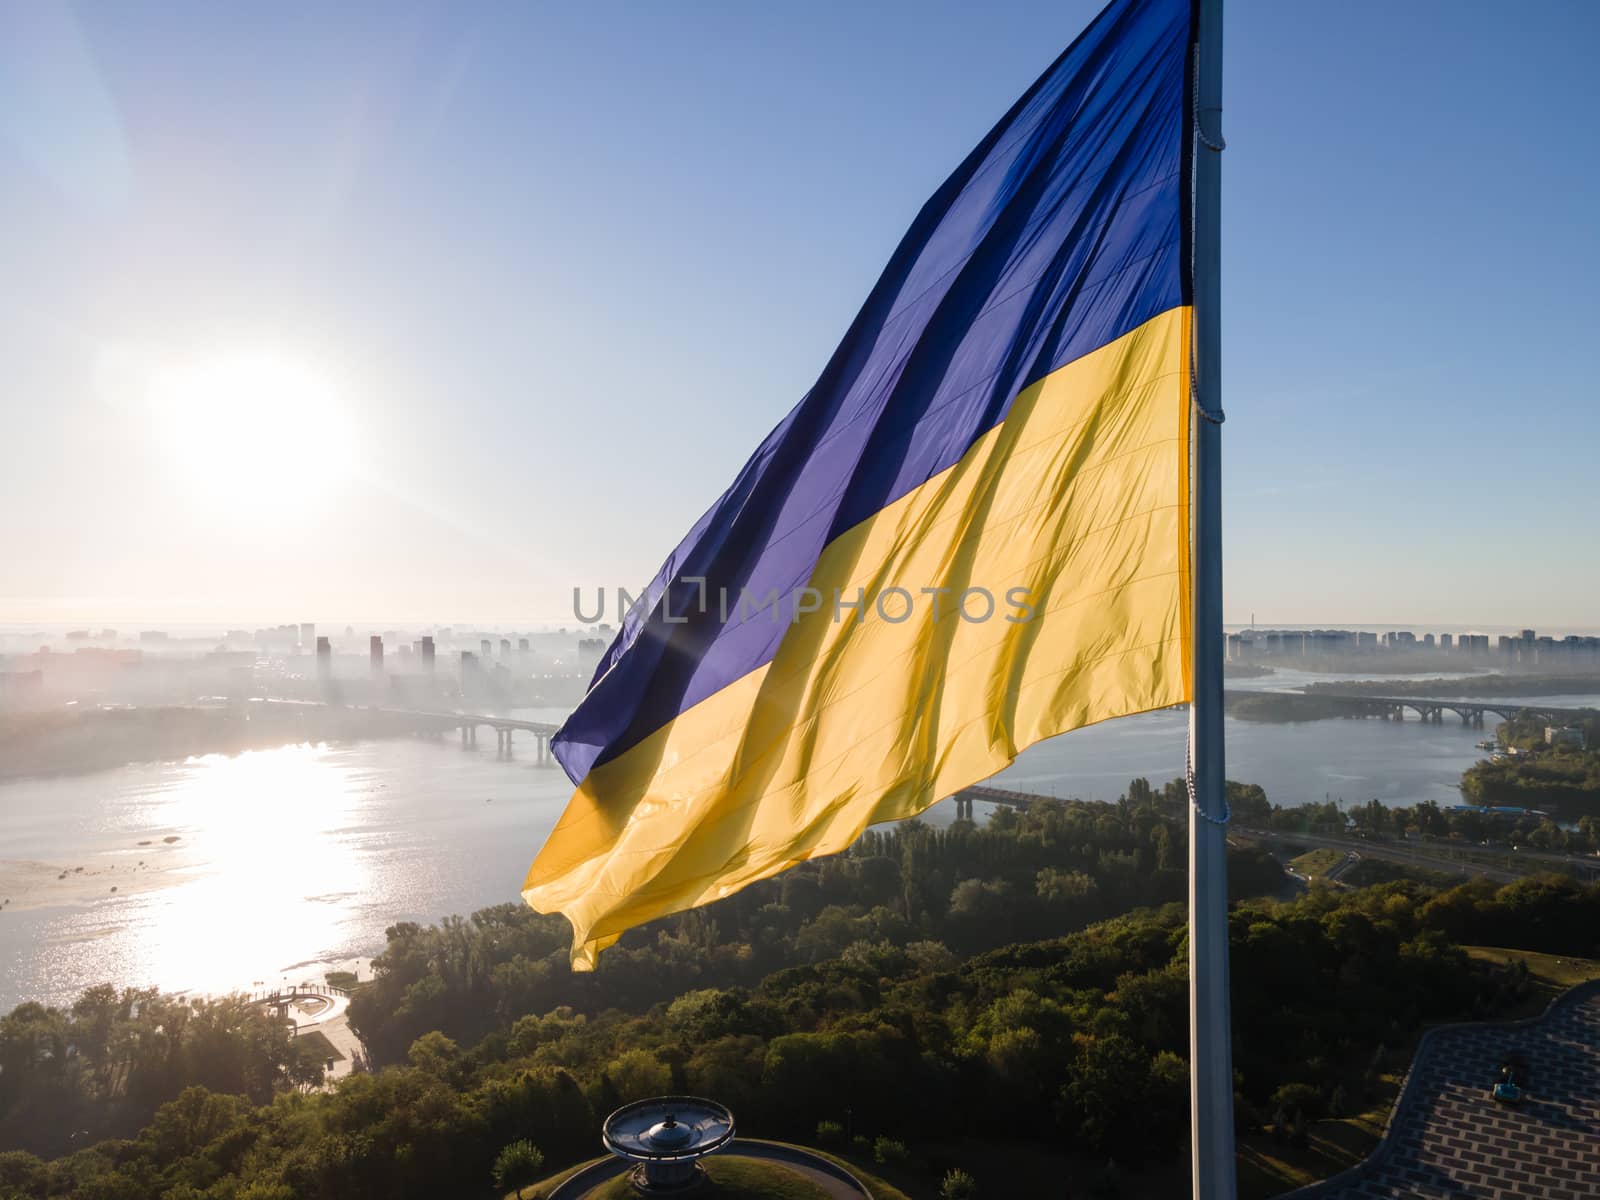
(1557, 770)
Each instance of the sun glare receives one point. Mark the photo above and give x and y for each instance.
(253, 432)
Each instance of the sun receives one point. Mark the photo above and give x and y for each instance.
(253, 432)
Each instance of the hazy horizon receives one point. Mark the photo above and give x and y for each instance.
(364, 627)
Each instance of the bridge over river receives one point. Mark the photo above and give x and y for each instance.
(504, 728)
(466, 723)
(1427, 708)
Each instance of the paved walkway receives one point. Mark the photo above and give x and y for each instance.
(1449, 1139)
(324, 1011)
(343, 1039)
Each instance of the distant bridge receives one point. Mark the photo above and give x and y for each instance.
(991, 795)
(503, 728)
(466, 723)
(1430, 710)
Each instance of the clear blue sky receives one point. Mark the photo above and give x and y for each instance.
(561, 266)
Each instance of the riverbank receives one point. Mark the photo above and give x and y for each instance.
(26, 885)
(1287, 707)
(79, 741)
(1460, 687)
(1238, 670)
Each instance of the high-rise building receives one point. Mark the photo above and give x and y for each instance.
(324, 657)
(505, 648)
(590, 651)
(1444, 641)
(485, 648)
(426, 651)
(375, 653)
(471, 675)
(308, 634)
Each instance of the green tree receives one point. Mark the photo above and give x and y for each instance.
(517, 1165)
(1105, 1101)
(307, 1064)
(1248, 804)
(437, 1055)
(638, 1074)
(888, 1150)
(263, 1190)
(958, 1185)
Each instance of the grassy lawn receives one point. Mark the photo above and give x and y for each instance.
(1014, 1170)
(736, 1179)
(735, 1173)
(1315, 864)
(1377, 870)
(548, 1184)
(1551, 974)
(880, 1188)
(1267, 1167)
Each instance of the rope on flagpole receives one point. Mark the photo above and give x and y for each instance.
(1194, 803)
(1221, 143)
(1216, 417)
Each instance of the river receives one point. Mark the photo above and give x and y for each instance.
(274, 865)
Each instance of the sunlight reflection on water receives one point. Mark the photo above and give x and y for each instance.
(287, 861)
(290, 862)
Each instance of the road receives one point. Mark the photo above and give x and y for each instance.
(1397, 852)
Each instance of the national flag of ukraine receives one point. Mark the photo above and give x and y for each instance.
(1005, 427)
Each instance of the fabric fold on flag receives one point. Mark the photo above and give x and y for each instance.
(970, 535)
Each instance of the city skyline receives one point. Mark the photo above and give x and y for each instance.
(340, 313)
(402, 632)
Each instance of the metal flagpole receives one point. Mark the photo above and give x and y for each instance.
(1211, 1059)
